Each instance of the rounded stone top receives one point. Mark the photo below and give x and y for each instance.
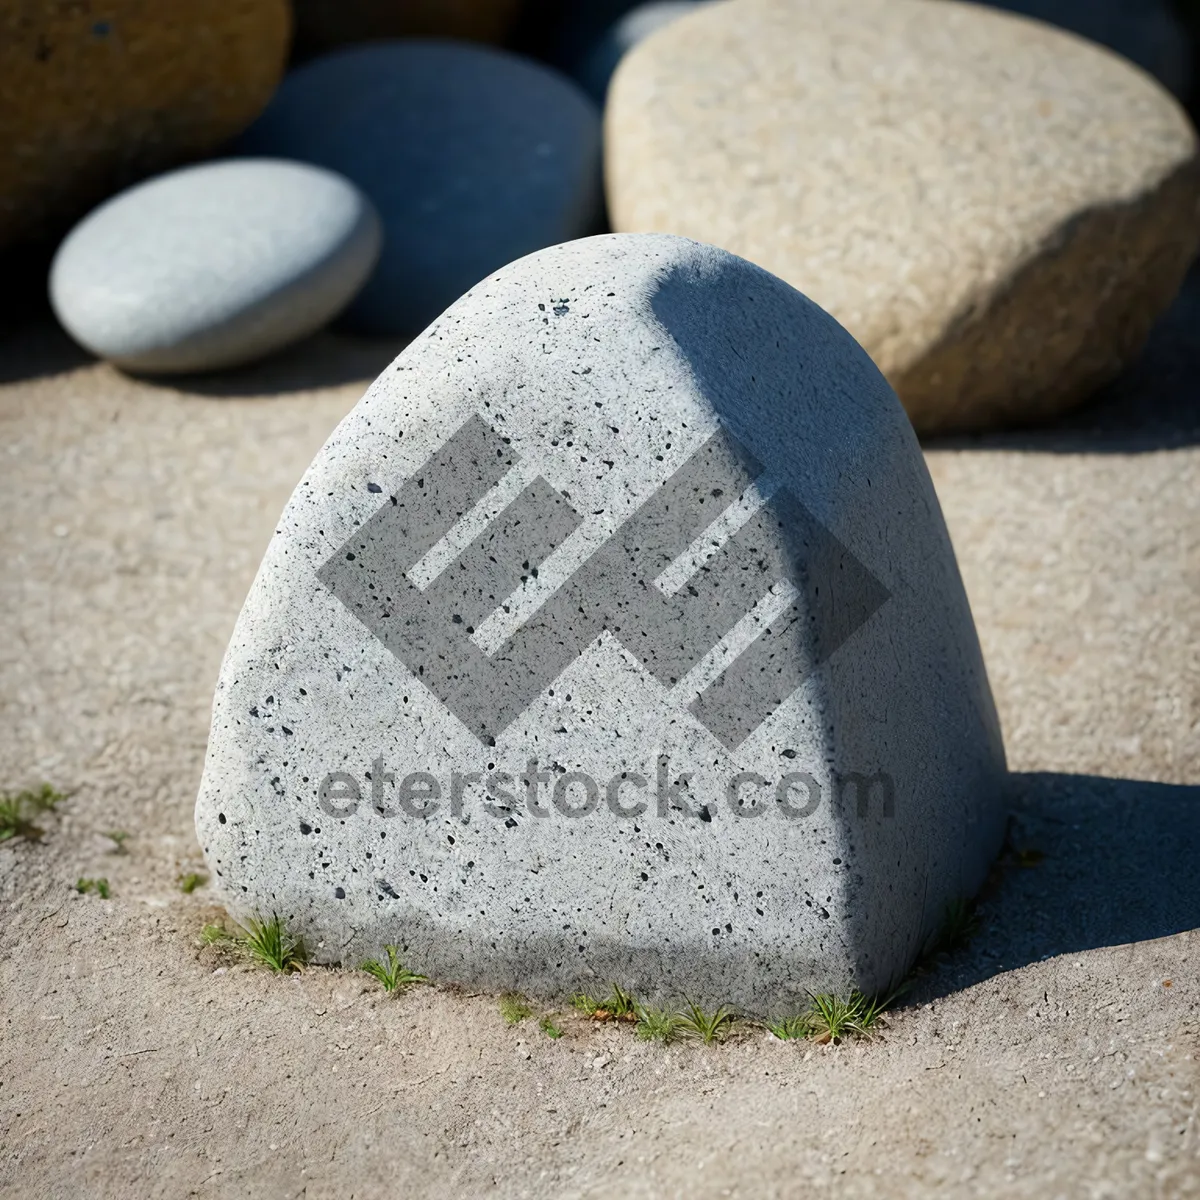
(97, 96)
(193, 269)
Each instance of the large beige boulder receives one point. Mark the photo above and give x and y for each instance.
(93, 98)
(998, 211)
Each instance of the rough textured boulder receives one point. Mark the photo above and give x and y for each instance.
(615, 635)
(324, 24)
(996, 210)
(214, 265)
(93, 98)
(473, 157)
(1146, 32)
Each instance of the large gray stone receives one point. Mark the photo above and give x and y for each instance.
(214, 265)
(472, 155)
(534, 550)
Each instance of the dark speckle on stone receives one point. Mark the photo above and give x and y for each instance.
(221, 818)
(374, 487)
(305, 828)
(340, 893)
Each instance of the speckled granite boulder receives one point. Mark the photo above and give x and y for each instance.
(996, 210)
(324, 24)
(1146, 32)
(473, 157)
(598, 66)
(614, 635)
(94, 97)
(214, 265)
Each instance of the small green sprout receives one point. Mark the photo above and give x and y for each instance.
(708, 1027)
(832, 1018)
(393, 975)
(118, 837)
(17, 812)
(268, 942)
(959, 925)
(99, 886)
(514, 1008)
(548, 1027)
(191, 881)
(583, 1003)
(657, 1024)
(618, 1005)
(792, 1029)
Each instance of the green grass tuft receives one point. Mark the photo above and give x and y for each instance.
(118, 837)
(548, 1027)
(833, 1018)
(393, 975)
(960, 923)
(17, 813)
(618, 1005)
(191, 881)
(708, 1027)
(657, 1024)
(792, 1029)
(269, 943)
(582, 1002)
(514, 1008)
(99, 886)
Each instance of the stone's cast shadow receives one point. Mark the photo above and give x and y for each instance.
(1120, 863)
(1153, 405)
(326, 359)
(36, 348)
(39, 347)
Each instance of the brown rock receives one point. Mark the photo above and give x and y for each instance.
(93, 98)
(997, 210)
(322, 24)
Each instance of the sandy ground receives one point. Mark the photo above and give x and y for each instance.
(1058, 1056)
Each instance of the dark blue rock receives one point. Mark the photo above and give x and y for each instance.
(579, 28)
(473, 157)
(598, 66)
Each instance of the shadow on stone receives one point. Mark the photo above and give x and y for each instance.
(1118, 865)
(904, 692)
